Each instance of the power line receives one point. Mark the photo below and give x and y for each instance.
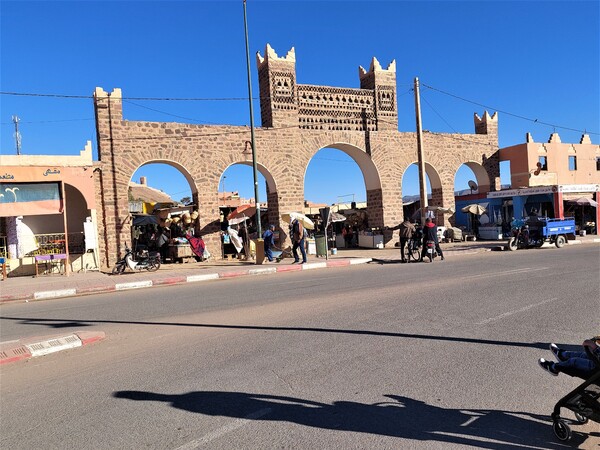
(506, 112)
(438, 114)
(48, 121)
(168, 114)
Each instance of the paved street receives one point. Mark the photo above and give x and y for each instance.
(379, 355)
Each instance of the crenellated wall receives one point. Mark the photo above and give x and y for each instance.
(297, 121)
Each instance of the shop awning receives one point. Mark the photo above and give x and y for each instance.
(30, 199)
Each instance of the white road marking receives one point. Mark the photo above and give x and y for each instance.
(133, 285)
(510, 313)
(202, 277)
(506, 272)
(238, 423)
(53, 294)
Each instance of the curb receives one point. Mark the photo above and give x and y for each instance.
(27, 348)
(172, 280)
(259, 271)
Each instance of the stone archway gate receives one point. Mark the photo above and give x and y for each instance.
(297, 121)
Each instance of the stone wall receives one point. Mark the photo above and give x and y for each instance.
(285, 145)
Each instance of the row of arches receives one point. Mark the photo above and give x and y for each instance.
(334, 173)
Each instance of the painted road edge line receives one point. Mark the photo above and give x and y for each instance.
(133, 285)
(203, 277)
(33, 347)
(360, 261)
(53, 294)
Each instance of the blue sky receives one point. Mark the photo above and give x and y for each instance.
(527, 59)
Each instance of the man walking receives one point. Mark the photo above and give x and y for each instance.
(407, 229)
(298, 239)
(269, 239)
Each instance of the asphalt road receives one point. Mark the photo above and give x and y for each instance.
(440, 355)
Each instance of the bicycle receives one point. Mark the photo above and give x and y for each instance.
(413, 249)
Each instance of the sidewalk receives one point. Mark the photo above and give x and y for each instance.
(27, 289)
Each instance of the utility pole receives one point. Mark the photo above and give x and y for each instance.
(254, 168)
(15, 120)
(421, 155)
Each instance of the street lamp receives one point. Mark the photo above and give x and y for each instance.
(254, 169)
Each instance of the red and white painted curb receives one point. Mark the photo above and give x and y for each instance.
(14, 351)
(265, 270)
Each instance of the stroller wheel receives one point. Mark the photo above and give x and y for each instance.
(561, 430)
(582, 420)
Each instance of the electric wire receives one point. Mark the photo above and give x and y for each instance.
(506, 112)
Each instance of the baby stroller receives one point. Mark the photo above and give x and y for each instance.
(280, 254)
(584, 401)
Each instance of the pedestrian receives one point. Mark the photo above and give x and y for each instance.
(243, 234)
(347, 232)
(574, 364)
(298, 234)
(430, 234)
(269, 238)
(407, 230)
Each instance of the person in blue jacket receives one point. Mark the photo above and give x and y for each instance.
(269, 239)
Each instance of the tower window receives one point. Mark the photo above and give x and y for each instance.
(597, 162)
(543, 163)
(572, 162)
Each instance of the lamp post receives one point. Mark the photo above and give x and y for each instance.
(254, 169)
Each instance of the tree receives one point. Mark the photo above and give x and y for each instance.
(186, 200)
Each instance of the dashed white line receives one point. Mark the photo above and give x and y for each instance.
(510, 313)
(238, 423)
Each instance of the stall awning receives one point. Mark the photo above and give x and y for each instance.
(30, 199)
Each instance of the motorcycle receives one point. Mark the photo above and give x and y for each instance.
(522, 237)
(144, 260)
(430, 250)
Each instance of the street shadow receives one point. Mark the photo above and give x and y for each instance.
(63, 323)
(400, 417)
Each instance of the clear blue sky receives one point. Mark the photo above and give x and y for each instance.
(533, 59)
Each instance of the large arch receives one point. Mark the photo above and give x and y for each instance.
(481, 176)
(297, 121)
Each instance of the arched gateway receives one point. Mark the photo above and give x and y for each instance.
(297, 121)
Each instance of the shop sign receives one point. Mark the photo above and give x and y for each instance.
(519, 192)
(54, 171)
(579, 188)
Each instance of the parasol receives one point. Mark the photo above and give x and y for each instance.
(583, 202)
(305, 221)
(474, 208)
(241, 212)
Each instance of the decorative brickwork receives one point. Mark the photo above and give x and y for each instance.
(297, 121)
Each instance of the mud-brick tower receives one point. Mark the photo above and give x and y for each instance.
(277, 83)
(383, 84)
(490, 160)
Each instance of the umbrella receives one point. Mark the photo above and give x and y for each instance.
(237, 220)
(474, 208)
(440, 209)
(584, 201)
(337, 217)
(305, 221)
(241, 211)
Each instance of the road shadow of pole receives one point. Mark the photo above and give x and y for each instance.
(400, 417)
(63, 323)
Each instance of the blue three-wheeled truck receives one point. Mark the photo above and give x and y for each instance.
(534, 231)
